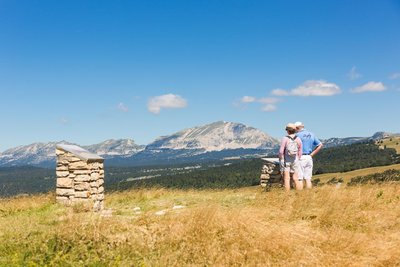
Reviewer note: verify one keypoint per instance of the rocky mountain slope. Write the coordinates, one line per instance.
(216, 136)
(43, 154)
(332, 142)
(111, 148)
(214, 141)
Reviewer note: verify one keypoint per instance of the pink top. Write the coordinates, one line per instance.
(285, 139)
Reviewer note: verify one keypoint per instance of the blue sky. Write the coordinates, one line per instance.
(86, 71)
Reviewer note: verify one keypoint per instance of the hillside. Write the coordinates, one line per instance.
(216, 136)
(204, 174)
(350, 226)
(390, 142)
(353, 157)
(347, 176)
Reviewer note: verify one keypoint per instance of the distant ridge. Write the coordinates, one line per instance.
(215, 141)
(216, 136)
(43, 154)
(111, 147)
(332, 142)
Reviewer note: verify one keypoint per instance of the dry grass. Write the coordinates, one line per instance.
(391, 142)
(346, 176)
(327, 226)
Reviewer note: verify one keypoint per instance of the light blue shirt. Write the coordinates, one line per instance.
(310, 142)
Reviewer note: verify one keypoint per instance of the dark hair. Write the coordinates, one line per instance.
(290, 131)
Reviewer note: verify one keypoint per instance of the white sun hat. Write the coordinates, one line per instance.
(298, 123)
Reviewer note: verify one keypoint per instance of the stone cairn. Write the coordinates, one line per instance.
(270, 173)
(80, 177)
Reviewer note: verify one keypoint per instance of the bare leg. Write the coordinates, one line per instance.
(286, 178)
(298, 183)
(299, 174)
(308, 184)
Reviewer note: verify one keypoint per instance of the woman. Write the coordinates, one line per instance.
(289, 154)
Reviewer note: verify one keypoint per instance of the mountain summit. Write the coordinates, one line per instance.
(111, 147)
(216, 136)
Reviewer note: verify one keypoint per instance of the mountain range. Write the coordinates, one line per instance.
(43, 154)
(215, 141)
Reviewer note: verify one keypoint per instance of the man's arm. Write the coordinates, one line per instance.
(316, 150)
(299, 148)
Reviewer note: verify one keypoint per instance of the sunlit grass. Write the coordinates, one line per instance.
(391, 142)
(346, 176)
(346, 226)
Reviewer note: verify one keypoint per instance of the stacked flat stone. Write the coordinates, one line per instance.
(270, 173)
(80, 177)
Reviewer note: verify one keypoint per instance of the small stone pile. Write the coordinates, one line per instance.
(80, 177)
(270, 173)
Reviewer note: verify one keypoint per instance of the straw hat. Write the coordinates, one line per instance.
(290, 126)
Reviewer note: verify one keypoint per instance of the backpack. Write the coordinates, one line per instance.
(291, 147)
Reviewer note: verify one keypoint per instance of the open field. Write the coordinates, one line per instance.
(346, 176)
(391, 142)
(325, 226)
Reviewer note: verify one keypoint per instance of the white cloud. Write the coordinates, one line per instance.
(280, 92)
(316, 88)
(268, 100)
(310, 88)
(268, 108)
(247, 99)
(64, 120)
(168, 101)
(394, 76)
(369, 87)
(353, 74)
(122, 107)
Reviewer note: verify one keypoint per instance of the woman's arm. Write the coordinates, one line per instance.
(282, 148)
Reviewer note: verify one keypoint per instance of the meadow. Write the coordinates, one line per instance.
(330, 225)
(390, 142)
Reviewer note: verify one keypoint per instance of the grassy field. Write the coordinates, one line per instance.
(391, 142)
(346, 176)
(325, 226)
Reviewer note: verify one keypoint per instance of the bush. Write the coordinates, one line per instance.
(386, 176)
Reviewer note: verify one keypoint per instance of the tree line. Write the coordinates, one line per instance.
(353, 157)
(245, 172)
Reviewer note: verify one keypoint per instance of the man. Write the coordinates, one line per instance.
(311, 146)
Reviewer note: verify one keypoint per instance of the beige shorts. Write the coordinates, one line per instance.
(291, 166)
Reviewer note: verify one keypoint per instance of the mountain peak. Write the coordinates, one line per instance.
(113, 147)
(381, 135)
(216, 136)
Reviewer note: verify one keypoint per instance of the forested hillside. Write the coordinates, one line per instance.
(242, 173)
(247, 172)
(26, 180)
(218, 174)
(353, 157)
